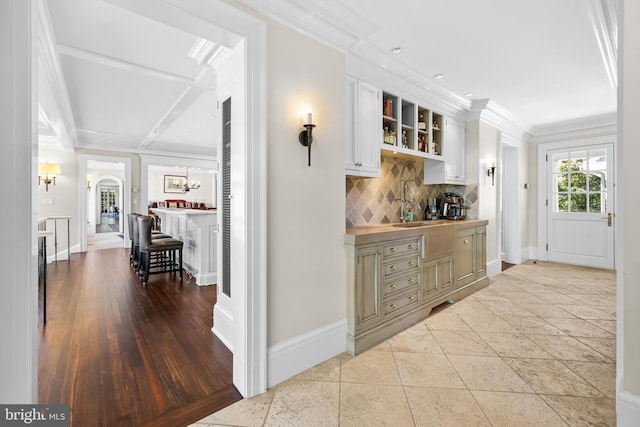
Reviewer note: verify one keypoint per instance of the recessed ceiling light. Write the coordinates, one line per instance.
(211, 116)
(438, 76)
(469, 94)
(396, 49)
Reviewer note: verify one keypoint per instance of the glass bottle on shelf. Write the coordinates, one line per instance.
(405, 142)
(386, 135)
(393, 139)
(422, 125)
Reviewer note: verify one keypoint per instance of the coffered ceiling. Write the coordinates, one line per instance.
(117, 80)
(112, 79)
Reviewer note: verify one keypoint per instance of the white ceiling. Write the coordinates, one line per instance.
(126, 82)
(117, 80)
(539, 62)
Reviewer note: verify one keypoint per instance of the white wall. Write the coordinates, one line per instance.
(204, 194)
(628, 230)
(64, 196)
(483, 142)
(18, 170)
(306, 207)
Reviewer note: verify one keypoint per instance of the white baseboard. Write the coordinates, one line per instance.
(532, 253)
(494, 268)
(295, 355)
(63, 255)
(628, 409)
(223, 325)
(524, 254)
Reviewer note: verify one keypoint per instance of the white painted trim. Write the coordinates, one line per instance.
(62, 255)
(542, 183)
(18, 167)
(82, 192)
(229, 25)
(603, 16)
(525, 254)
(63, 124)
(494, 268)
(297, 354)
(585, 127)
(223, 326)
(627, 409)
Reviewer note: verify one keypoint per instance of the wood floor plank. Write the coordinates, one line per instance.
(125, 355)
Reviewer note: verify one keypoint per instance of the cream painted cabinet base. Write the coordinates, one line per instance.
(393, 284)
(198, 231)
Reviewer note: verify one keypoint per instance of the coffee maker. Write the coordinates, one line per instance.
(453, 207)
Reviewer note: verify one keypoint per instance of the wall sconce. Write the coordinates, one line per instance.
(47, 169)
(492, 172)
(305, 137)
(88, 182)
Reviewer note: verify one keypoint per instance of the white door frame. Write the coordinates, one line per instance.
(93, 198)
(228, 26)
(510, 201)
(543, 185)
(82, 193)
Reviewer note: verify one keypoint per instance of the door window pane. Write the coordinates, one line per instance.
(579, 181)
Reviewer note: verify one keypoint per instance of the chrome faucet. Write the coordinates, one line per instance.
(403, 189)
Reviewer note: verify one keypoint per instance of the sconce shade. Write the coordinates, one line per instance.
(52, 169)
(49, 170)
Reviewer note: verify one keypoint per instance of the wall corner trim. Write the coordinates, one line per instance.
(297, 354)
(627, 409)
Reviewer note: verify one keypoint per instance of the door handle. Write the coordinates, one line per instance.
(608, 218)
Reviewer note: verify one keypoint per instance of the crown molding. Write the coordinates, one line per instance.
(605, 124)
(604, 21)
(328, 21)
(59, 112)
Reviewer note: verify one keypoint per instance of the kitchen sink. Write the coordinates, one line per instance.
(413, 224)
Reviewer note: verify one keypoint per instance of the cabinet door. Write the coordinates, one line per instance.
(465, 262)
(481, 252)
(437, 277)
(362, 128)
(455, 151)
(350, 123)
(368, 299)
(368, 133)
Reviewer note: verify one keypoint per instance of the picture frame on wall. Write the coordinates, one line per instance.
(187, 205)
(174, 183)
(162, 204)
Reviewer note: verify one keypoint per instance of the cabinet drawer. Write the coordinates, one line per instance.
(401, 248)
(403, 265)
(401, 283)
(398, 304)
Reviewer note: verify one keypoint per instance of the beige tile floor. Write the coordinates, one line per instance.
(534, 348)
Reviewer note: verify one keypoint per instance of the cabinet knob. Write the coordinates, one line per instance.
(411, 263)
(411, 247)
(392, 268)
(393, 286)
(392, 307)
(412, 280)
(412, 298)
(466, 241)
(392, 249)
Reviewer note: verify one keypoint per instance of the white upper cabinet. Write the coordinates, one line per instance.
(453, 169)
(362, 145)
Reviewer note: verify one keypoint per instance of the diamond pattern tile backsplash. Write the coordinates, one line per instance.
(376, 200)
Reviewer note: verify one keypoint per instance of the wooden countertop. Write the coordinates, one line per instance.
(363, 234)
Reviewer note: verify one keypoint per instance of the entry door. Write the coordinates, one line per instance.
(580, 205)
